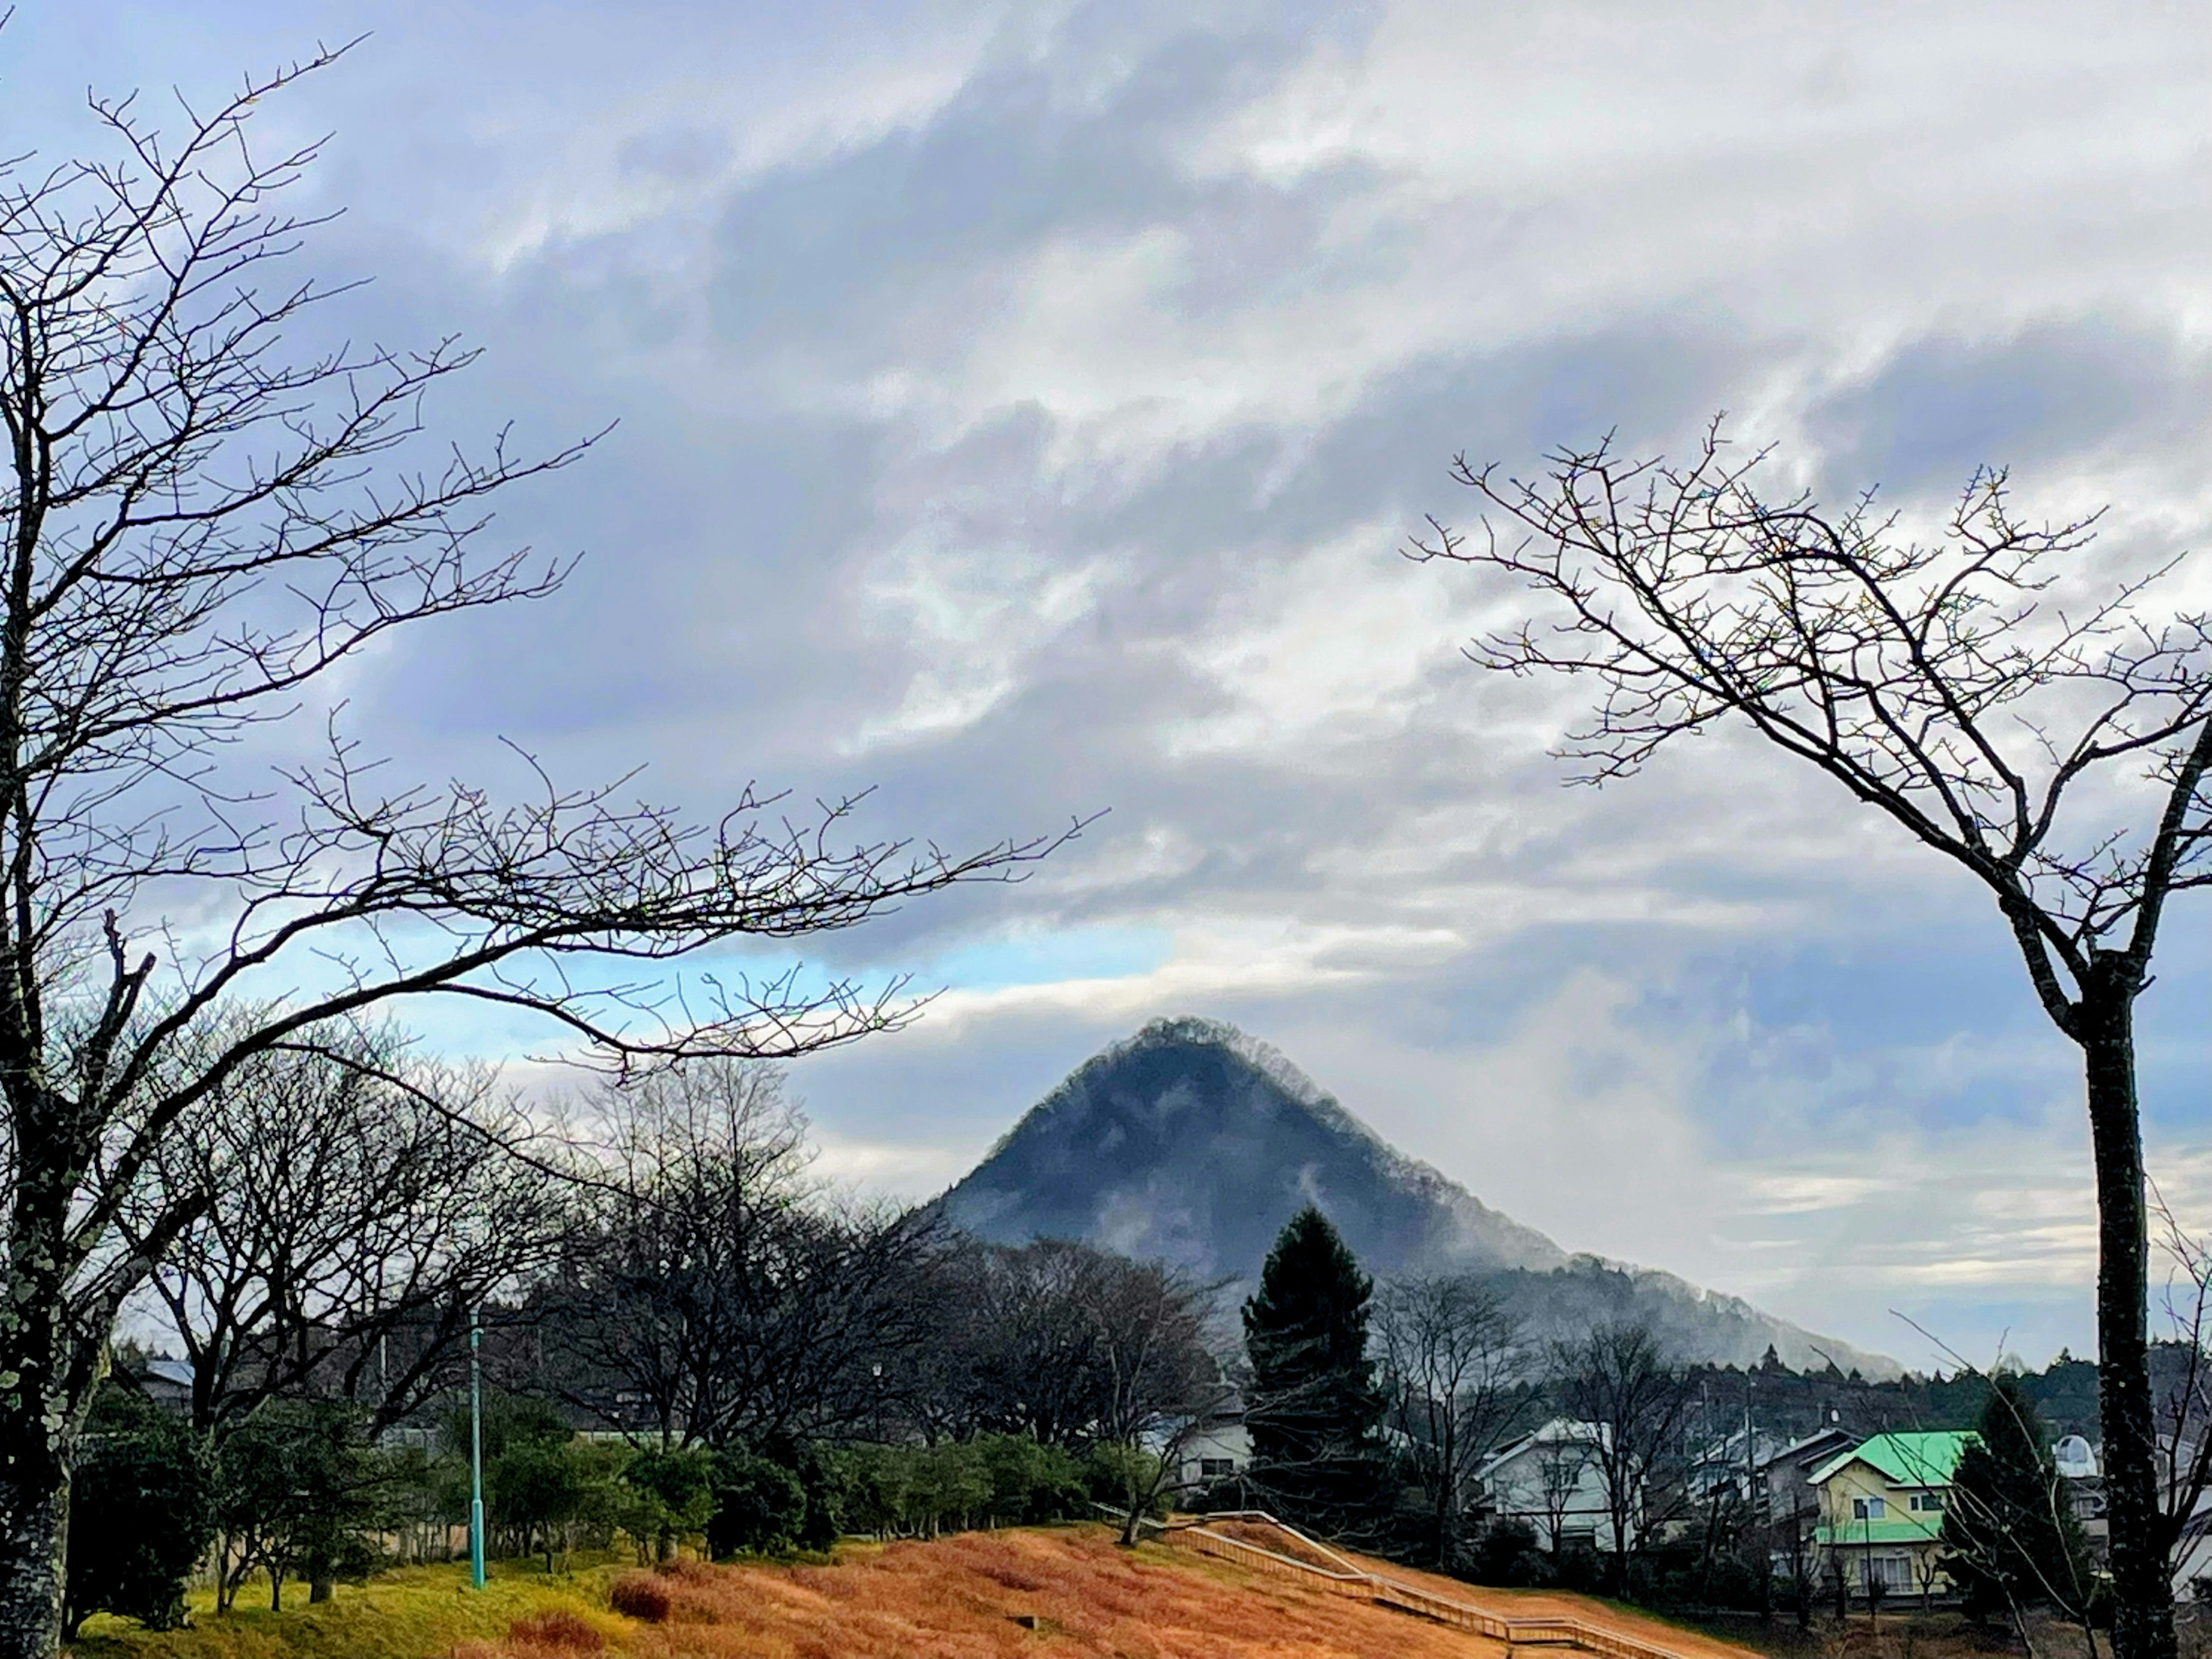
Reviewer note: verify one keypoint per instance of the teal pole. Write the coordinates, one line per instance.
(476, 1451)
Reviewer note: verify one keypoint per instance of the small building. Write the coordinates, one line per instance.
(164, 1381)
(1785, 1493)
(1214, 1446)
(1881, 1510)
(1553, 1479)
(1220, 1449)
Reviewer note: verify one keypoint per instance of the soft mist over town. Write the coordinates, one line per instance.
(1095, 828)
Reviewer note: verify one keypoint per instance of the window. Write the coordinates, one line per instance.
(1212, 1469)
(1927, 1503)
(1867, 1508)
(1892, 1569)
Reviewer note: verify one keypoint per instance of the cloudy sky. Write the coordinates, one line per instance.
(1020, 409)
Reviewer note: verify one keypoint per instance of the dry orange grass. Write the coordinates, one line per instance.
(962, 1597)
(1543, 1604)
(1045, 1592)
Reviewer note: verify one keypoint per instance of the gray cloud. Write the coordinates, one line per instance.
(1020, 411)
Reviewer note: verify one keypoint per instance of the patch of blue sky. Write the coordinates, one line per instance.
(1052, 957)
(635, 994)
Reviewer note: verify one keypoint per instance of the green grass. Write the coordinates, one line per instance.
(411, 1612)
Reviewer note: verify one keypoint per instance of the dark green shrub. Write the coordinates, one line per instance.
(671, 1495)
(1506, 1555)
(760, 1505)
(142, 1513)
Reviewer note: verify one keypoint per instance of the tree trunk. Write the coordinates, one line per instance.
(321, 1587)
(2142, 1593)
(33, 1511)
(36, 1423)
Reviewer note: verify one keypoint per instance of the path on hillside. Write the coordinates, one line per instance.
(1521, 1619)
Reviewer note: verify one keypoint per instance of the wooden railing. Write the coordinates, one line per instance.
(1346, 1577)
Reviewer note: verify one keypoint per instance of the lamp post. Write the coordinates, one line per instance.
(476, 1450)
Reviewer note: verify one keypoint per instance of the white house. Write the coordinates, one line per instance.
(1552, 1479)
(1217, 1449)
(1214, 1446)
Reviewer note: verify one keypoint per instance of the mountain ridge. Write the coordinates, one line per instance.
(1193, 1141)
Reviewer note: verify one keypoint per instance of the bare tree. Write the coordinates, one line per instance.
(199, 523)
(2059, 755)
(1454, 1371)
(723, 1291)
(2181, 1375)
(343, 1228)
(1634, 1398)
(1563, 1458)
(1066, 1343)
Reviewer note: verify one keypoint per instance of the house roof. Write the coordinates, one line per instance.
(1909, 1460)
(1815, 1446)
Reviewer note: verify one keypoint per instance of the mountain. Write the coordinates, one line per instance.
(1193, 1142)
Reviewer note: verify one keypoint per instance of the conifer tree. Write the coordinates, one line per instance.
(2011, 1540)
(1316, 1407)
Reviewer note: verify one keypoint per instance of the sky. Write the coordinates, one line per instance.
(1020, 411)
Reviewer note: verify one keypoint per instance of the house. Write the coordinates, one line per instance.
(1220, 1449)
(165, 1382)
(1729, 1465)
(1553, 1479)
(1881, 1510)
(1785, 1479)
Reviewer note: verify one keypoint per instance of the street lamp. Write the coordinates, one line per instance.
(475, 1449)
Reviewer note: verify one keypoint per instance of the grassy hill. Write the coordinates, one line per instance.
(1027, 1591)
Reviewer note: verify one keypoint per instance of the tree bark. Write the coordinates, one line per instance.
(33, 1511)
(37, 1420)
(2142, 1593)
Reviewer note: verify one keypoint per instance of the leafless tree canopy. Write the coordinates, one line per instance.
(1635, 1398)
(200, 517)
(721, 1295)
(343, 1225)
(1935, 680)
(1455, 1371)
(2056, 747)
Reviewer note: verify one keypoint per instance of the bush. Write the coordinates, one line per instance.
(760, 1506)
(1505, 1554)
(640, 1596)
(1030, 1481)
(559, 1632)
(1122, 1476)
(142, 1513)
(670, 1496)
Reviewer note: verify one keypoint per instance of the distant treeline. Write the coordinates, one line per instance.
(1792, 1404)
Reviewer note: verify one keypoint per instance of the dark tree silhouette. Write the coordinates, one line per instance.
(2010, 1538)
(1455, 1367)
(1314, 1406)
(346, 1226)
(2059, 755)
(1634, 1398)
(199, 523)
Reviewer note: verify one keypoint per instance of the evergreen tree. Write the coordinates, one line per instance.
(2009, 1534)
(1314, 1407)
(142, 1513)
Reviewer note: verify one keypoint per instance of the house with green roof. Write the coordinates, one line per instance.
(1881, 1510)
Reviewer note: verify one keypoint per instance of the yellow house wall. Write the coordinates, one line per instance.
(1862, 1480)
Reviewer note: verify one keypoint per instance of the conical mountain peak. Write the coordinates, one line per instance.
(1191, 1141)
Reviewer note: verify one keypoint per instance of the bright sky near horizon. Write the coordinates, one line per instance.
(1019, 410)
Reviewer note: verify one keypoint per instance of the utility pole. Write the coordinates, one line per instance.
(475, 1449)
